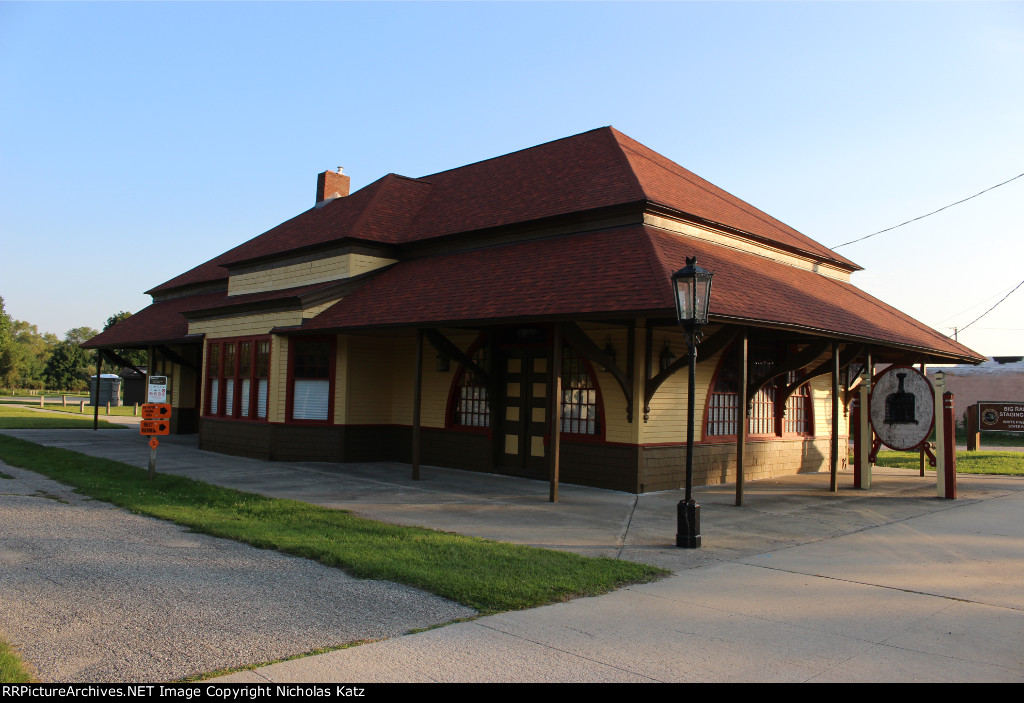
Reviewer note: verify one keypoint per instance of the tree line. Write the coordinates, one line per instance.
(37, 361)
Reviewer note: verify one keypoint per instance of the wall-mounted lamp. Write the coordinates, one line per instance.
(609, 351)
(441, 363)
(667, 357)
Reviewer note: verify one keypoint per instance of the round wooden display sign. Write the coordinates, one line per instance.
(902, 407)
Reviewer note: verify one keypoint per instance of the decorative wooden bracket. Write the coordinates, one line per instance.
(846, 357)
(582, 343)
(116, 358)
(714, 344)
(176, 358)
(447, 348)
(797, 361)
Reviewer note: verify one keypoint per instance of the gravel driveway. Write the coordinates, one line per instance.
(92, 593)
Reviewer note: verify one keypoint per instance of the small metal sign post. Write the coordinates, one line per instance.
(156, 421)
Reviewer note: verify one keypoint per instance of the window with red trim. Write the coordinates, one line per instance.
(233, 369)
(311, 379)
(472, 406)
(580, 407)
(723, 411)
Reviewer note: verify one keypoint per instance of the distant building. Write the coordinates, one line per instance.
(301, 344)
(1000, 378)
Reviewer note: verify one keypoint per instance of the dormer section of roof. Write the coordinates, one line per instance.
(303, 269)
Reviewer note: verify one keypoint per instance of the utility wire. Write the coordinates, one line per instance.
(971, 307)
(854, 241)
(991, 308)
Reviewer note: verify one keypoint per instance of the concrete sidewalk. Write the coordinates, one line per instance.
(801, 584)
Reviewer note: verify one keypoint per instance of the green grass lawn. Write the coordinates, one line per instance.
(12, 670)
(21, 418)
(981, 462)
(482, 574)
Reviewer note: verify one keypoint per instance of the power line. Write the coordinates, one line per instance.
(887, 229)
(971, 307)
(991, 308)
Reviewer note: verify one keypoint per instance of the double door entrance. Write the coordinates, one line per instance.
(521, 435)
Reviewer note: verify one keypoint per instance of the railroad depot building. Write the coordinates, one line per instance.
(515, 315)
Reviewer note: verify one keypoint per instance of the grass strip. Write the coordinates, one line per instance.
(16, 418)
(981, 462)
(12, 670)
(485, 575)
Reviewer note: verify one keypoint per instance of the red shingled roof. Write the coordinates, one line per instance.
(157, 324)
(166, 321)
(595, 169)
(621, 271)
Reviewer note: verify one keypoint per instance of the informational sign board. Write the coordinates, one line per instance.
(902, 407)
(1001, 417)
(154, 427)
(156, 411)
(157, 389)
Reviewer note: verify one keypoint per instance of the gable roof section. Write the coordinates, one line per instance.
(379, 212)
(588, 171)
(618, 272)
(167, 321)
(160, 323)
(667, 183)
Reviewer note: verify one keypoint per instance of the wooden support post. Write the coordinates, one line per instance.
(973, 436)
(136, 411)
(865, 432)
(416, 402)
(742, 421)
(855, 430)
(96, 400)
(81, 407)
(949, 444)
(940, 430)
(922, 452)
(42, 401)
(834, 461)
(108, 407)
(555, 430)
(64, 401)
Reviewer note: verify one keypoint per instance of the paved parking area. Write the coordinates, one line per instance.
(801, 584)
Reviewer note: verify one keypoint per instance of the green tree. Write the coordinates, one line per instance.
(32, 352)
(69, 365)
(138, 357)
(8, 352)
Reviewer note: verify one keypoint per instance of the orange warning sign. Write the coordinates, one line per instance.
(151, 427)
(156, 411)
(153, 443)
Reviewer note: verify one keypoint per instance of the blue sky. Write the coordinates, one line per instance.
(140, 139)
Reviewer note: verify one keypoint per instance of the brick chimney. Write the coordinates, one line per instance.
(331, 185)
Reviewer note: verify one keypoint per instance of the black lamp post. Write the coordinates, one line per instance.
(691, 286)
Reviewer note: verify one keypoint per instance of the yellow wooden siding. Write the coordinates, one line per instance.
(341, 381)
(734, 242)
(244, 326)
(821, 394)
(277, 393)
(303, 273)
(370, 365)
(616, 428)
(667, 422)
(403, 375)
(317, 309)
